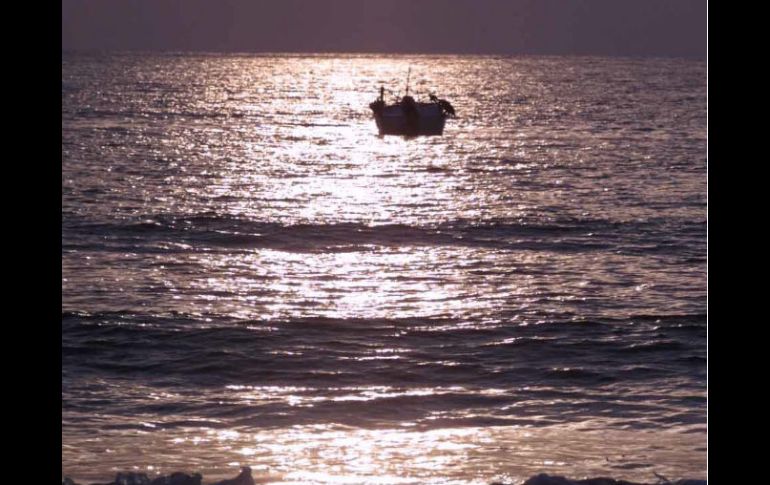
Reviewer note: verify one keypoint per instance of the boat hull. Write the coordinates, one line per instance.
(425, 120)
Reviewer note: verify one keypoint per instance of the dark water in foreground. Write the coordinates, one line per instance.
(251, 276)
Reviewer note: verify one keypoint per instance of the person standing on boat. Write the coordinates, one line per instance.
(382, 93)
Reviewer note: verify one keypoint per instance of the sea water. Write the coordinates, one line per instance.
(252, 276)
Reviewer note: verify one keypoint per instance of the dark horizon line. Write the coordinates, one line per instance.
(381, 53)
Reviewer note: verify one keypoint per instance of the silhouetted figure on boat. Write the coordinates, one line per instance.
(379, 104)
(446, 106)
(409, 107)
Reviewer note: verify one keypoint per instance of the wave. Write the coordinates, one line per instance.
(213, 230)
(684, 322)
(91, 113)
(211, 350)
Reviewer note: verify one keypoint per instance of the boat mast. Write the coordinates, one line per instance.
(409, 73)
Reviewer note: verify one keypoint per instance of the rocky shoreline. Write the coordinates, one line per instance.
(245, 478)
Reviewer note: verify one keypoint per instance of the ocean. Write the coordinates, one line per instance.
(252, 276)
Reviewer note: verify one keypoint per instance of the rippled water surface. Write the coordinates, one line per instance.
(251, 276)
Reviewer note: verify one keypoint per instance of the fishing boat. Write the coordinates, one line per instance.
(409, 117)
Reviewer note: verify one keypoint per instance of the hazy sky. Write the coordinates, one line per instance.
(601, 27)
